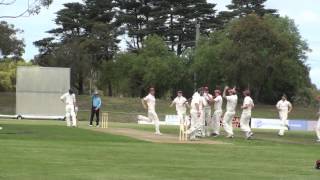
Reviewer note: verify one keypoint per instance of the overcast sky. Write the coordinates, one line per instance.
(305, 13)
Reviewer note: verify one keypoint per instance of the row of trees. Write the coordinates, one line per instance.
(248, 46)
(265, 55)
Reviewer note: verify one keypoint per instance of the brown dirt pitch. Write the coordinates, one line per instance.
(151, 137)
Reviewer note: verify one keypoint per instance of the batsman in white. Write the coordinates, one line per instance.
(207, 111)
(216, 118)
(318, 125)
(69, 99)
(181, 107)
(246, 114)
(195, 113)
(149, 103)
(284, 108)
(232, 100)
(202, 103)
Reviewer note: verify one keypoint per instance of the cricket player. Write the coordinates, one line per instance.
(218, 101)
(149, 103)
(195, 113)
(246, 114)
(202, 104)
(207, 98)
(318, 125)
(232, 100)
(69, 99)
(95, 108)
(284, 108)
(181, 107)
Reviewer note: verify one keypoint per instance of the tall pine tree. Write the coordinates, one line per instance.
(173, 20)
(240, 8)
(86, 37)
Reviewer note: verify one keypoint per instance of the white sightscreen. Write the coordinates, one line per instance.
(38, 90)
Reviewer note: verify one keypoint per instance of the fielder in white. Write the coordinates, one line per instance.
(284, 108)
(181, 107)
(202, 103)
(69, 99)
(232, 100)
(216, 118)
(318, 125)
(246, 114)
(149, 103)
(207, 111)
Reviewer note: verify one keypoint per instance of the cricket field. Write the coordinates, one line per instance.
(45, 150)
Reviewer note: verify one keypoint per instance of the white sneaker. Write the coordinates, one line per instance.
(249, 135)
(158, 133)
(230, 136)
(318, 140)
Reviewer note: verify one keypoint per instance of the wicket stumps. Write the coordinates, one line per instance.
(183, 136)
(104, 120)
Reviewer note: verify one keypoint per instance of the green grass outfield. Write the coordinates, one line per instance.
(45, 150)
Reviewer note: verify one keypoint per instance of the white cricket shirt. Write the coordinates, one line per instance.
(218, 101)
(180, 103)
(207, 98)
(69, 99)
(231, 103)
(249, 103)
(283, 106)
(151, 102)
(195, 100)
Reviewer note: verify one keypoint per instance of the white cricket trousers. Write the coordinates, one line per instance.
(283, 115)
(195, 124)
(70, 113)
(227, 122)
(216, 118)
(182, 116)
(318, 129)
(245, 122)
(152, 115)
(207, 122)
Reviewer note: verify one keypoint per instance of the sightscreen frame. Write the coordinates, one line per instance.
(38, 91)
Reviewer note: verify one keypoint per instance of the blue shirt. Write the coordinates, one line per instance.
(96, 102)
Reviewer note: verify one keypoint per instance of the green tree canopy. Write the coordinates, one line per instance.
(174, 20)
(10, 44)
(86, 36)
(154, 65)
(8, 70)
(240, 8)
(266, 55)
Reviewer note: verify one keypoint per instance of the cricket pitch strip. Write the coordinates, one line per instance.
(151, 137)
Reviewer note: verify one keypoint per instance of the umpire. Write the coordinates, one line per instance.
(95, 108)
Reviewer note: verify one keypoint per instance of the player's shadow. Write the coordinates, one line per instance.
(16, 133)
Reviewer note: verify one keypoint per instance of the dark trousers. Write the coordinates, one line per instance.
(94, 112)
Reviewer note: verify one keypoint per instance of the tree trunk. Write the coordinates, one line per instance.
(171, 34)
(80, 84)
(110, 89)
